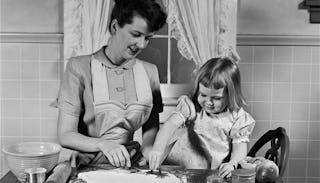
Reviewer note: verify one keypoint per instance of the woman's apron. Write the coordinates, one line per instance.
(114, 120)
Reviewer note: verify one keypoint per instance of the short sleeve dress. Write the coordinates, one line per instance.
(215, 135)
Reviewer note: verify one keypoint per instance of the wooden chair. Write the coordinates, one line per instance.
(279, 150)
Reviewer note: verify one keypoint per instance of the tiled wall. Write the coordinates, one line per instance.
(30, 78)
(282, 84)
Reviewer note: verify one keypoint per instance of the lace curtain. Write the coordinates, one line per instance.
(203, 28)
(85, 26)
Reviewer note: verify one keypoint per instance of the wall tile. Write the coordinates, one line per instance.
(262, 73)
(296, 180)
(246, 72)
(297, 168)
(262, 92)
(11, 127)
(51, 52)
(301, 73)
(29, 51)
(260, 128)
(10, 70)
(31, 127)
(30, 108)
(281, 92)
(302, 54)
(314, 112)
(315, 73)
(49, 89)
(30, 89)
(47, 111)
(49, 127)
(315, 55)
(300, 92)
(314, 129)
(10, 89)
(245, 53)
(49, 71)
(31, 139)
(247, 89)
(261, 110)
(300, 111)
(282, 73)
(298, 149)
(313, 168)
(6, 141)
(263, 54)
(10, 51)
(315, 93)
(283, 54)
(314, 149)
(313, 179)
(11, 108)
(298, 130)
(30, 71)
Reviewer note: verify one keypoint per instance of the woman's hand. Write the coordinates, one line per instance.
(116, 153)
(225, 170)
(155, 157)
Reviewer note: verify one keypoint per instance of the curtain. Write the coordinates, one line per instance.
(203, 28)
(85, 26)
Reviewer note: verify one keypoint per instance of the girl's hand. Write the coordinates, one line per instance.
(155, 157)
(116, 153)
(225, 170)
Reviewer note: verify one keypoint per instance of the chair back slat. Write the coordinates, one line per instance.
(279, 150)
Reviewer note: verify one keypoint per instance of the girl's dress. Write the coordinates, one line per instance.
(215, 134)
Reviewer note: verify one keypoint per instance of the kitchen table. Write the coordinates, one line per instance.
(192, 175)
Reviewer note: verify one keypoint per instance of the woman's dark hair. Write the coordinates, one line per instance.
(124, 11)
(219, 73)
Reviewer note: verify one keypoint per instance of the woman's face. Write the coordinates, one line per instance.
(212, 101)
(131, 38)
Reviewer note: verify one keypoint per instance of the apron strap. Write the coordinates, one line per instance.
(99, 81)
(142, 83)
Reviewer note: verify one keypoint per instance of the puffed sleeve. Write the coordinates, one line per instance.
(71, 90)
(242, 127)
(185, 110)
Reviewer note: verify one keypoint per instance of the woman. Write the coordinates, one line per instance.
(105, 97)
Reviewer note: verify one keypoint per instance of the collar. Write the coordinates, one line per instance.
(101, 57)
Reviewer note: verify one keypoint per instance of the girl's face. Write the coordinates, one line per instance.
(213, 101)
(131, 38)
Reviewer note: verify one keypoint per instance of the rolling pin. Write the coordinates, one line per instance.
(60, 173)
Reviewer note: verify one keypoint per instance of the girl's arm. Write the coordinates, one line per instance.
(161, 147)
(238, 153)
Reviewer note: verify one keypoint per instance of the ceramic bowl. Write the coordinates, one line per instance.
(25, 155)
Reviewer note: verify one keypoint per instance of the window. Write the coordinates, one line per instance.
(163, 52)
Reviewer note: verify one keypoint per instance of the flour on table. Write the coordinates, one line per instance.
(124, 176)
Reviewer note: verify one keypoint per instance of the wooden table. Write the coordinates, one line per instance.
(192, 175)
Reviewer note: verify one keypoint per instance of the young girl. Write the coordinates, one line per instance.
(211, 130)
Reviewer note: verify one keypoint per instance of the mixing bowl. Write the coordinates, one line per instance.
(25, 155)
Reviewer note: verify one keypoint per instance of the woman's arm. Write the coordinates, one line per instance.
(69, 137)
(238, 153)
